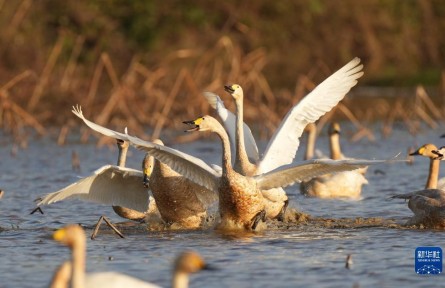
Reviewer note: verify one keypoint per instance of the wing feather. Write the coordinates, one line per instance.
(111, 185)
(284, 144)
(229, 121)
(290, 174)
(189, 166)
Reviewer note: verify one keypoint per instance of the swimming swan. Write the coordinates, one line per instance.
(73, 236)
(346, 184)
(284, 144)
(428, 205)
(179, 200)
(240, 200)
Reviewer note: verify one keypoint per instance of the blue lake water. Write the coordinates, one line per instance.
(295, 256)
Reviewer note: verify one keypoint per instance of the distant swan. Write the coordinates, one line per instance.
(240, 200)
(346, 184)
(284, 143)
(428, 205)
(73, 236)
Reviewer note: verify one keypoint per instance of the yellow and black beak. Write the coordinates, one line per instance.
(229, 88)
(146, 179)
(418, 151)
(194, 123)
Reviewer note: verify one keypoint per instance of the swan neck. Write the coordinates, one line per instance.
(433, 176)
(180, 280)
(335, 146)
(78, 262)
(226, 155)
(242, 163)
(310, 148)
(62, 276)
(123, 149)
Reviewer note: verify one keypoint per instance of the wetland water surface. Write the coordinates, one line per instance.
(295, 256)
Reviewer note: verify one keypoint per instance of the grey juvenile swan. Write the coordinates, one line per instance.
(428, 205)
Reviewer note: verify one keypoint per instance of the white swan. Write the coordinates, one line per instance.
(73, 236)
(111, 185)
(180, 201)
(314, 105)
(428, 205)
(240, 200)
(284, 144)
(346, 184)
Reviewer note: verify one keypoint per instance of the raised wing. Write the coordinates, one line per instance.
(96, 127)
(229, 122)
(111, 185)
(284, 144)
(290, 174)
(188, 166)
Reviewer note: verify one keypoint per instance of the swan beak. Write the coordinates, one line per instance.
(59, 234)
(209, 267)
(146, 178)
(194, 123)
(191, 123)
(229, 89)
(418, 151)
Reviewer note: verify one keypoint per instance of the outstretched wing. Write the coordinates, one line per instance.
(111, 185)
(284, 144)
(189, 166)
(290, 174)
(229, 121)
(96, 127)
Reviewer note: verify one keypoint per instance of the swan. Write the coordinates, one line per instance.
(346, 184)
(113, 185)
(240, 200)
(179, 200)
(428, 205)
(73, 236)
(283, 145)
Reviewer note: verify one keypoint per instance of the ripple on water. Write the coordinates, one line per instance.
(307, 254)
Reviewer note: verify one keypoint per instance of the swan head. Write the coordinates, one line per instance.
(148, 164)
(70, 235)
(334, 128)
(204, 123)
(190, 262)
(235, 90)
(426, 150)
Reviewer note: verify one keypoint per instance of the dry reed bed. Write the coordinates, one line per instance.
(149, 99)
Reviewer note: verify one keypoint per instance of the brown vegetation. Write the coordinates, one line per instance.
(53, 57)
